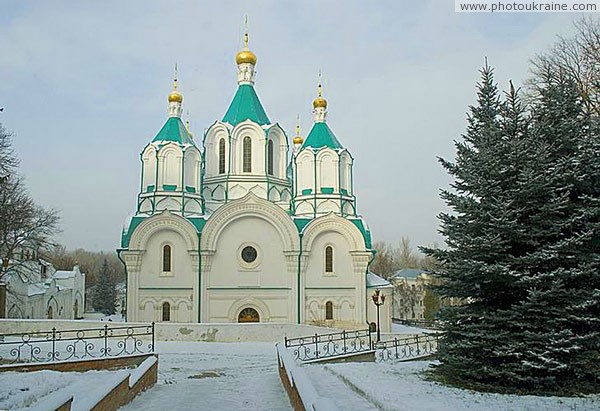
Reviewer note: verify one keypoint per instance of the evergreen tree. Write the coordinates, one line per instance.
(523, 244)
(106, 292)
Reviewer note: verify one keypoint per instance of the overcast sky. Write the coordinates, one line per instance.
(84, 86)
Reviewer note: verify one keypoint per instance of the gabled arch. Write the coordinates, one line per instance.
(213, 135)
(162, 221)
(257, 138)
(335, 223)
(250, 205)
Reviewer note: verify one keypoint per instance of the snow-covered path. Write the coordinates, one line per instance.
(215, 376)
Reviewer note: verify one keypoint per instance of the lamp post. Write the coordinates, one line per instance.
(378, 300)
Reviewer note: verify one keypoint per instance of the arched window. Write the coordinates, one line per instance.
(270, 158)
(50, 313)
(166, 312)
(247, 155)
(328, 259)
(248, 315)
(329, 310)
(222, 156)
(167, 258)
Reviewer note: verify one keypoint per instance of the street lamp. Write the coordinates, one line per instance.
(5, 262)
(378, 300)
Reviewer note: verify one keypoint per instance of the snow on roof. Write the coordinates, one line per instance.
(63, 274)
(36, 289)
(375, 281)
(408, 273)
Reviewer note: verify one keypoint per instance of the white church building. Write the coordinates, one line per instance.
(246, 227)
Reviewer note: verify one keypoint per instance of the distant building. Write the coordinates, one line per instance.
(35, 289)
(409, 293)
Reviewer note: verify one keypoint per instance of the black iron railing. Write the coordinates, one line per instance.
(321, 346)
(69, 345)
(408, 347)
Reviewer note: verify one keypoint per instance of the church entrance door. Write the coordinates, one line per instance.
(248, 315)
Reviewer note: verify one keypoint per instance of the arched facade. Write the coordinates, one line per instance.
(246, 230)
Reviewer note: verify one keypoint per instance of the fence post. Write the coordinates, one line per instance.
(396, 346)
(54, 343)
(371, 339)
(317, 345)
(344, 339)
(285, 341)
(417, 340)
(105, 340)
(153, 350)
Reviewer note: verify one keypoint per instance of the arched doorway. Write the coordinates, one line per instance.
(248, 315)
(50, 313)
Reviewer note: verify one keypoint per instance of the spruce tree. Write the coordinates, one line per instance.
(106, 292)
(522, 245)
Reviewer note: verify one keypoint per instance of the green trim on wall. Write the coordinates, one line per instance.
(150, 188)
(169, 187)
(190, 189)
(135, 221)
(327, 190)
(306, 191)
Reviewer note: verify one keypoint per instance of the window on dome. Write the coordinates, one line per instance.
(167, 258)
(222, 156)
(247, 155)
(270, 158)
(166, 312)
(329, 310)
(329, 259)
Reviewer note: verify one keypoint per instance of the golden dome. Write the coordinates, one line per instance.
(298, 140)
(245, 56)
(320, 102)
(175, 96)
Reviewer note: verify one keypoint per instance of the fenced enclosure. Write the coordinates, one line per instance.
(319, 347)
(405, 348)
(322, 346)
(71, 345)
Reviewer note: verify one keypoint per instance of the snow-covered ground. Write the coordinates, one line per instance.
(35, 389)
(214, 376)
(399, 386)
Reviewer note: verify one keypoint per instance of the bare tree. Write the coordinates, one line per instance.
(579, 58)
(23, 224)
(8, 161)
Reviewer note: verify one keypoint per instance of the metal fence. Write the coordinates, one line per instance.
(70, 345)
(325, 346)
(321, 346)
(407, 347)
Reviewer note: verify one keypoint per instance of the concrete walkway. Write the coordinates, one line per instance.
(215, 376)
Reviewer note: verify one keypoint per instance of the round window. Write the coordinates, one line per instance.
(249, 254)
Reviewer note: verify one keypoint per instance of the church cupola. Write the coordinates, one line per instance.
(320, 104)
(322, 169)
(171, 166)
(246, 61)
(175, 98)
(245, 152)
(298, 140)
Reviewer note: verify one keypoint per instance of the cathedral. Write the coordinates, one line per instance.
(246, 227)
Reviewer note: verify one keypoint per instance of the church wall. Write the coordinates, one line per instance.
(273, 305)
(151, 274)
(343, 271)
(268, 270)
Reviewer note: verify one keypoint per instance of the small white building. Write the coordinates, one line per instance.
(34, 289)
